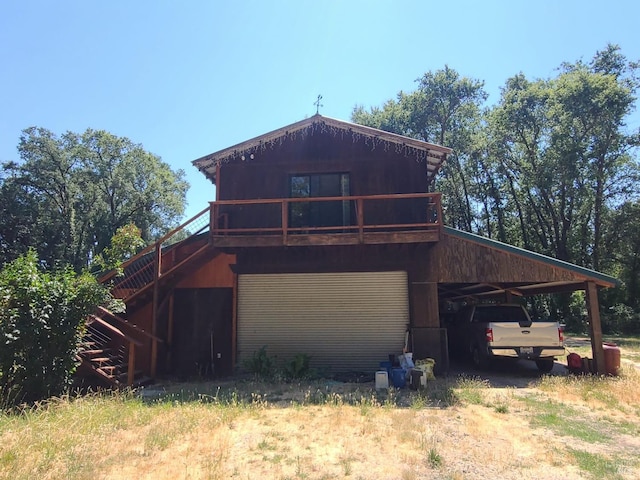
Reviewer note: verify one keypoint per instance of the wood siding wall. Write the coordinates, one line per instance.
(215, 273)
(370, 173)
(454, 260)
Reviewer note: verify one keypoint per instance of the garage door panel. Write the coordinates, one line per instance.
(344, 321)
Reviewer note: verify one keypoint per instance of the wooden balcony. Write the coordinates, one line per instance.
(353, 220)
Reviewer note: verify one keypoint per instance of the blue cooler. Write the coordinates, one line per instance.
(398, 377)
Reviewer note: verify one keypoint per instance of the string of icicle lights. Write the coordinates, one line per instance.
(321, 127)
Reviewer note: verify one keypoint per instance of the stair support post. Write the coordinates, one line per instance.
(131, 369)
(154, 320)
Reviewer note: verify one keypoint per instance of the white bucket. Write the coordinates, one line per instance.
(382, 380)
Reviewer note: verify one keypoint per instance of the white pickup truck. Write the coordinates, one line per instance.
(503, 330)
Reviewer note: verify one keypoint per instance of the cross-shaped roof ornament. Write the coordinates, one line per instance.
(318, 104)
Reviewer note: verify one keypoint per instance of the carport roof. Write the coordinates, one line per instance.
(579, 275)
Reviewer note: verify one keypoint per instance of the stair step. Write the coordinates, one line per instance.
(103, 360)
(111, 369)
(104, 357)
(97, 351)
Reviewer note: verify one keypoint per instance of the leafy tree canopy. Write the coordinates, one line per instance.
(69, 194)
(551, 167)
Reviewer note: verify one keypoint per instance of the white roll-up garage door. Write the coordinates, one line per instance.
(344, 321)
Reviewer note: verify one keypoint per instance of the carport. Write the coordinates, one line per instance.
(464, 266)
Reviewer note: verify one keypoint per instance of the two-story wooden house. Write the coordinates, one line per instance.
(325, 238)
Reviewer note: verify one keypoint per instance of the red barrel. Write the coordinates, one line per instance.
(574, 363)
(611, 359)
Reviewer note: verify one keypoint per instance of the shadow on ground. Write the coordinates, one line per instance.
(505, 373)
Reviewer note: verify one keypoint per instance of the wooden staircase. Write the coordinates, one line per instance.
(109, 354)
(111, 344)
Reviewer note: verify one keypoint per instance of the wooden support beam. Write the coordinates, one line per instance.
(170, 331)
(595, 327)
(213, 221)
(234, 320)
(217, 181)
(424, 305)
(131, 369)
(360, 212)
(155, 309)
(284, 206)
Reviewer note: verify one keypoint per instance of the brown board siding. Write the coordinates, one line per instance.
(456, 260)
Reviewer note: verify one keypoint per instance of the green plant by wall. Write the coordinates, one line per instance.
(42, 320)
(298, 367)
(261, 363)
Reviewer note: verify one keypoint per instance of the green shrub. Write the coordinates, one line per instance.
(42, 320)
(261, 363)
(298, 367)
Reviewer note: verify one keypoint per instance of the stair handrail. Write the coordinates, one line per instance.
(116, 330)
(149, 248)
(128, 324)
(133, 343)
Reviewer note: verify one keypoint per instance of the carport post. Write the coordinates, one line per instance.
(595, 327)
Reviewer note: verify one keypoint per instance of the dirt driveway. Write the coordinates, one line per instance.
(507, 373)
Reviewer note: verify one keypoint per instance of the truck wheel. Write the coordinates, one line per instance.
(545, 365)
(479, 360)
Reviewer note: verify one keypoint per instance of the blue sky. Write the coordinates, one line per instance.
(188, 78)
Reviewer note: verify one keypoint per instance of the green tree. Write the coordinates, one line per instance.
(19, 211)
(131, 185)
(74, 191)
(622, 242)
(445, 109)
(125, 243)
(42, 318)
(565, 154)
(552, 167)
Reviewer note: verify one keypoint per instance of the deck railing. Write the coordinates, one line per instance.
(155, 260)
(412, 212)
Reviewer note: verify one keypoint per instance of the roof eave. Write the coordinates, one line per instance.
(208, 163)
(587, 274)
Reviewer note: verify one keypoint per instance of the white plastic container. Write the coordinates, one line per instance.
(382, 380)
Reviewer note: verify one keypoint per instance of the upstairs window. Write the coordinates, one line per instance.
(319, 214)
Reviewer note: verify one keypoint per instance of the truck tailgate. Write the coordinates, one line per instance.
(511, 334)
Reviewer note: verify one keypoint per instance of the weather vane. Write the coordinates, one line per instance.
(318, 104)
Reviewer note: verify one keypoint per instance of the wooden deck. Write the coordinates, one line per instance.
(370, 219)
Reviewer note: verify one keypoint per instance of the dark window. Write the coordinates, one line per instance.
(499, 313)
(319, 214)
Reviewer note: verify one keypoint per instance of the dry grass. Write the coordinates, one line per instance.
(621, 392)
(557, 427)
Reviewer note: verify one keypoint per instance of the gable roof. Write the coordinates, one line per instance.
(433, 155)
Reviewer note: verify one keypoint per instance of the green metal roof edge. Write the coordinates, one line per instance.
(587, 272)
